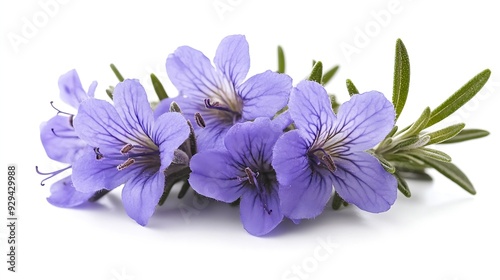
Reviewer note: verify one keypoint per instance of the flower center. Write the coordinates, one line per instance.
(322, 159)
(130, 154)
(261, 183)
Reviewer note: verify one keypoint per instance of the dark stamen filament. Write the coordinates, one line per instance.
(63, 136)
(217, 106)
(52, 174)
(59, 111)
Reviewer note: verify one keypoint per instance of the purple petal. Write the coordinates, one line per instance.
(211, 137)
(362, 181)
(99, 124)
(304, 190)
(255, 217)
(63, 194)
(90, 174)
(252, 143)
(311, 110)
(132, 105)
(283, 120)
(71, 90)
(364, 121)
(170, 131)
(264, 94)
(60, 141)
(194, 76)
(232, 58)
(215, 175)
(141, 194)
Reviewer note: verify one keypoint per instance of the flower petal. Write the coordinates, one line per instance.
(264, 94)
(364, 121)
(254, 216)
(60, 141)
(141, 194)
(362, 181)
(311, 110)
(170, 131)
(194, 76)
(71, 90)
(133, 107)
(215, 175)
(90, 174)
(98, 124)
(251, 143)
(304, 190)
(63, 194)
(232, 58)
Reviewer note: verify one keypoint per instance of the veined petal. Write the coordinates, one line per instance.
(311, 111)
(232, 58)
(133, 107)
(194, 76)
(90, 174)
(264, 94)
(71, 90)
(63, 194)
(362, 181)
(170, 131)
(99, 124)
(252, 143)
(215, 175)
(141, 194)
(363, 121)
(211, 137)
(60, 141)
(255, 217)
(304, 190)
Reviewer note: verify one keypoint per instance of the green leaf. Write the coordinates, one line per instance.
(117, 73)
(431, 153)
(333, 101)
(401, 78)
(385, 163)
(406, 142)
(329, 74)
(415, 175)
(337, 201)
(351, 88)
(459, 98)
(422, 141)
(445, 133)
(159, 89)
(109, 92)
(420, 123)
(452, 172)
(467, 134)
(402, 185)
(281, 60)
(317, 72)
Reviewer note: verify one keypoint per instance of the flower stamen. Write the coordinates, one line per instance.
(126, 164)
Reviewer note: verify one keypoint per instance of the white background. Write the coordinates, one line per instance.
(441, 233)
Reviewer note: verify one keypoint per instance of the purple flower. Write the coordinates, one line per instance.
(61, 143)
(128, 147)
(328, 150)
(220, 94)
(242, 169)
